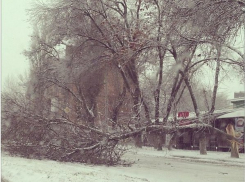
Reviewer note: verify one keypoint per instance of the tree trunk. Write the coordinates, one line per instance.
(193, 98)
(159, 142)
(234, 150)
(172, 141)
(117, 108)
(138, 141)
(174, 91)
(202, 139)
(216, 79)
(234, 145)
(147, 112)
(161, 55)
(203, 144)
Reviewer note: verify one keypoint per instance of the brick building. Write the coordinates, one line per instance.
(102, 87)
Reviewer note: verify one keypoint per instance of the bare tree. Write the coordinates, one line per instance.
(74, 44)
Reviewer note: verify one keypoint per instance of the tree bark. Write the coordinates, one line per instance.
(117, 108)
(159, 141)
(175, 89)
(234, 150)
(138, 140)
(172, 140)
(234, 145)
(158, 89)
(202, 140)
(216, 80)
(193, 98)
(203, 144)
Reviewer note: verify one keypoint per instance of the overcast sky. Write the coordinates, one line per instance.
(16, 33)
(15, 37)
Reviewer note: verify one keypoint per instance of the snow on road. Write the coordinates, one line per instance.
(222, 158)
(149, 166)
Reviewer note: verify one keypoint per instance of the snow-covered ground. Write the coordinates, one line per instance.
(222, 158)
(150, 165)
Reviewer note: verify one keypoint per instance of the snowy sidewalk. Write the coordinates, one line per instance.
(150, 166)
(222, 158)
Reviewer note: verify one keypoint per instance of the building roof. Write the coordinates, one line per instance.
(234, 114)
(237, 99)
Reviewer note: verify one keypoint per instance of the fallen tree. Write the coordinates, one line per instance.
(103, 34)
(34, 136)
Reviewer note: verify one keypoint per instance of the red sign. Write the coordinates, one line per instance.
(184, 114)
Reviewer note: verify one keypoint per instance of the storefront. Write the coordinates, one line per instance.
(235, 118)
(189, 139)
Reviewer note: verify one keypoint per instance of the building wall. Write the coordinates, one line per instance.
(111, 83)
(109, 95)
(239, 94)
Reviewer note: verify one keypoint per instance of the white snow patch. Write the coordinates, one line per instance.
(150, 166)
(194, 155)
